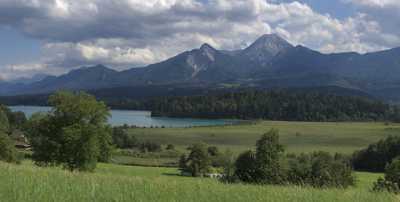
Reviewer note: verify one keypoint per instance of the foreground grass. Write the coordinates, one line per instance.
(296, 136)
(122, 183)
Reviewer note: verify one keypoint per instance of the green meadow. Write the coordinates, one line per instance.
(111, 182)
(295, 136)
(26, 182)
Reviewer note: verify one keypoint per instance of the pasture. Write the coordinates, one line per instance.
(26, 182)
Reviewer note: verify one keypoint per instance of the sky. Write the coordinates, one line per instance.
(56, 36)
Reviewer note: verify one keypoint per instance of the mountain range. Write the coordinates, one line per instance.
(270, 62)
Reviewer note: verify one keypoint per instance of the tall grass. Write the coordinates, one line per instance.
(123, 183)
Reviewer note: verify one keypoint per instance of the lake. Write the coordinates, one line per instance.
(138, 118)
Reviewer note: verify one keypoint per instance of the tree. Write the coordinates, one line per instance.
(391, 182)
(198, 161)
(246, 168)
(268, 158)
(15, 119)
(183, 163)
(74, 134)
(4, 124)
(8, 152)
(376, 156)
(122, 139)
(213, 151)
(320, 169)
(170, 147)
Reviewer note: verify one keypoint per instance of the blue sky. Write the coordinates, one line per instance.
(55, 36)
(17, 48)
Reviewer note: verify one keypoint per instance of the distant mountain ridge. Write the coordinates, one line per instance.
(270, 62)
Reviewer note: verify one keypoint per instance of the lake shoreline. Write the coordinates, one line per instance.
(140, 118)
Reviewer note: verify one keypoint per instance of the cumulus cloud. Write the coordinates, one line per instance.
(131, 33)
(15, 71)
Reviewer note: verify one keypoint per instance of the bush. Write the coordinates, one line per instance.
(150, 147)
(170, 147)
(198, 162)
(122, 139)
(213, 151)
(15, 119)
(391, 182)
(4, 124)
(320, 169)
(8, 153)
(266, 166)
(376, 156)
(246, 168)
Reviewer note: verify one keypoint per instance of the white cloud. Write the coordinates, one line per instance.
(14, 71)
(129, 33)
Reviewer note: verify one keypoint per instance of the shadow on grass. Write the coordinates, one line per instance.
(175, 175)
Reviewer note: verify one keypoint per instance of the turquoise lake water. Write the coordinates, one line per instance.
(138, 118)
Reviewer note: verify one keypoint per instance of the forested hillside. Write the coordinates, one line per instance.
(272, 105)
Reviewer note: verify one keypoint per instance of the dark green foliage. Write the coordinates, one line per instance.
(227, 162)
(213, 151)
(273, 105)
(268, 152)
(391, 182)
(15, 119)
(8, 152)
(75, 134)
(392, 171)
(183, 163)
(266, 166)
(122, 139)
(105, 144)
(246, 168)
(376, 156)
(198, 162)
(170, 147)
(150, 147)
(4, 124)
(320, 169)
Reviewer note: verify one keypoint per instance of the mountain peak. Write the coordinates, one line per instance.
(207, 47)
(272, 42)
(266, 47)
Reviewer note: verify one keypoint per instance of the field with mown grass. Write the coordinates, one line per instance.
(26, 182)
(297, 137)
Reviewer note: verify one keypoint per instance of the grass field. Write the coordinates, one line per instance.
(296, 136)
(21, 183)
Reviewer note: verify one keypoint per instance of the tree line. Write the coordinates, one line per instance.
(271, 105)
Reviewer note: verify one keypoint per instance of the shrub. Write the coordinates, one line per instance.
(198, 162)
(391, 182)
(122, 139)
(246, 168)
(14, 119)
(213, 151)
(4, 124)
(320, 169)
(170, 147)
(8, 152)
(376, 156)
(150, 147)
